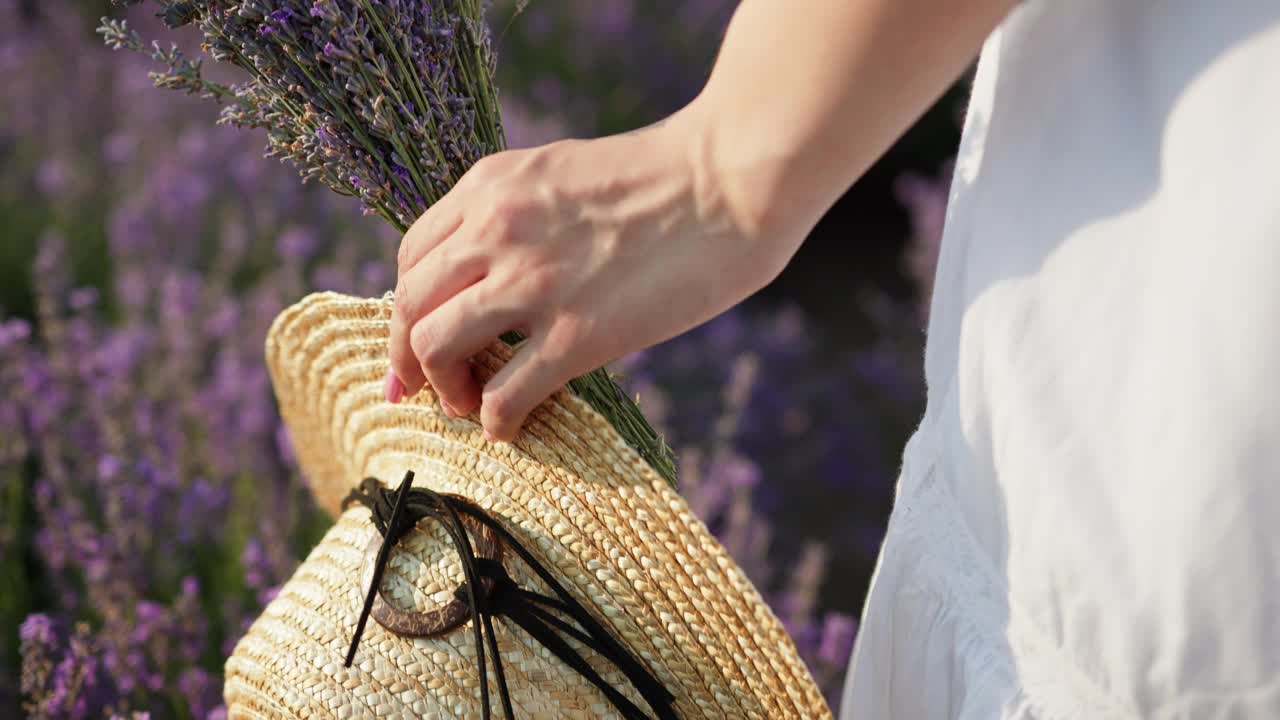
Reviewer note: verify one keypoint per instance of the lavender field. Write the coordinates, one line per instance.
(149, 501)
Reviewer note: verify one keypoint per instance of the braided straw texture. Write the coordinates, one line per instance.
(569, 488)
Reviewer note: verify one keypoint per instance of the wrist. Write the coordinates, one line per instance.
(753, 180)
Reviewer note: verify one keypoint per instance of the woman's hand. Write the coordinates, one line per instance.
(600, 247)
(591, 248)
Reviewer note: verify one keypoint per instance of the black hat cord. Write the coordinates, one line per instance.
(489, 590)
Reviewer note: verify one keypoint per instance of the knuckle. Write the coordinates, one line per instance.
(499, 409)
(403, 362)
(402, 255)
(507, 218)
(568, 332)
(561, 355)
(500, 225)
(509, 209)
(432, 351)
(398, 356)
(403, 304)
(553, 361)
(484, 168)
(476, 170)
(539, 284)
(483, 165)
(434, 357)
(419, 340)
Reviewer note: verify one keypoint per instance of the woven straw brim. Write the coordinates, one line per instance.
(570, 489)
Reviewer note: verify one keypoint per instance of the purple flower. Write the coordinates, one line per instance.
(838, 631)
(119, 148)
(14, 331)
(284, 446)
(108, 467)
(38, 630)
(611, 17)
(375, 278)
(254, 560)
(223, 321)
(297, 243)
(201, 691)
(737, 473)
(82, 298)
(53, 176)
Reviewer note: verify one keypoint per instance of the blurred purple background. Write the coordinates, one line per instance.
(149, 504)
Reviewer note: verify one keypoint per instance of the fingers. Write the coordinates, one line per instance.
(431, 229)
(404, 373)
(424, 287)
(444, 217)
(446, 338)
(529, 378)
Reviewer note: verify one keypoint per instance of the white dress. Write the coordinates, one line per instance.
(1087, 521)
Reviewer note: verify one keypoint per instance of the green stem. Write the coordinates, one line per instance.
(355, 127)
(410, 77)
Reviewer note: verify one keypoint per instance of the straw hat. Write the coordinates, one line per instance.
(567, 513)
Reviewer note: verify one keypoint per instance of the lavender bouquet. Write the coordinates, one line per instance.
(390, 101)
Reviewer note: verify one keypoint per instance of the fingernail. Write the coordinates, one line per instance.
(448, 409)
(394, 388)
(489, 436)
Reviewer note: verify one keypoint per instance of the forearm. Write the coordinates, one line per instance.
(807, 94)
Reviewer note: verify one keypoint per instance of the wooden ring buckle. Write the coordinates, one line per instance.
(455, 613)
